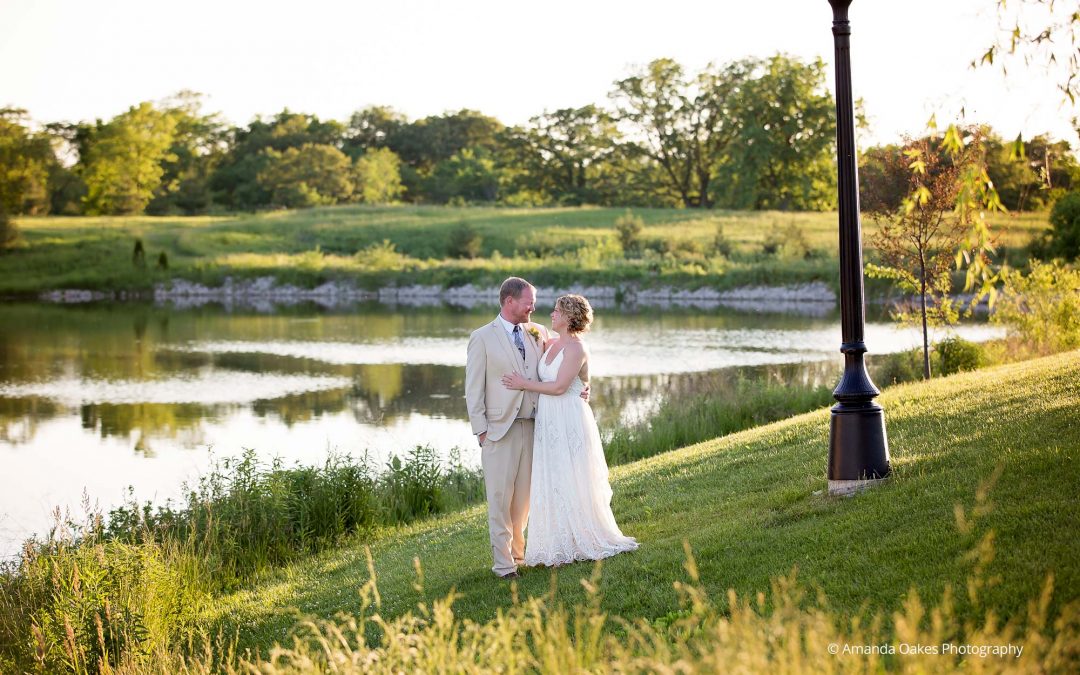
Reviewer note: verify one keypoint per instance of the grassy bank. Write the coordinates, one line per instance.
(376, 246)
(750, 507)
(136, 581)
(984, 476)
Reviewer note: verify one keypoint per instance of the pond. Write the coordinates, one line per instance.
(98, 397)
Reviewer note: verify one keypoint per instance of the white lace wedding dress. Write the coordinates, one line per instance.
(570, 504)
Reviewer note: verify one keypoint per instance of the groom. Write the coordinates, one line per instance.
(502, 419)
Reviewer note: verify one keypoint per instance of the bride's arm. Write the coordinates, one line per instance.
(573, 359)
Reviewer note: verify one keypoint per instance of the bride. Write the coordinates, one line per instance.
(570, 513)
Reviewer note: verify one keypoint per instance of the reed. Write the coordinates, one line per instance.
(685, 419)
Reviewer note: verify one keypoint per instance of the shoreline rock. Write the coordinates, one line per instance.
(264, 293)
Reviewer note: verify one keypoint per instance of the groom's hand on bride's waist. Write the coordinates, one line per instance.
(585, 394)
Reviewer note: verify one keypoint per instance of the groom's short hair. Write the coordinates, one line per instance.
(513, 287)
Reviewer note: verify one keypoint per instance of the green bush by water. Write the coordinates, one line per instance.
(245, 516)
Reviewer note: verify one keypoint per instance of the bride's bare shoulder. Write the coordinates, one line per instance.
(576, 348)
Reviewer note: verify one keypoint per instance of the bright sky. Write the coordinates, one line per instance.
(84, 59)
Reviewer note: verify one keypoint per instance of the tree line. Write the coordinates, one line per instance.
(750, 134)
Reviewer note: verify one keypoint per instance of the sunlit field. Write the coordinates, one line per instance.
(375, 246)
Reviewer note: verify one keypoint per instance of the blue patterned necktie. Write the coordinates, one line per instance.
(519, 342)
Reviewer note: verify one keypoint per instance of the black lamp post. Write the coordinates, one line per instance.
(858, 447)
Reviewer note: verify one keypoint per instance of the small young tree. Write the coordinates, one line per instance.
(918, 241)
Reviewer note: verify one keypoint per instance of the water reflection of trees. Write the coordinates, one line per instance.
(149, 421)
(304, 407)
(142, 342)
(19, 417)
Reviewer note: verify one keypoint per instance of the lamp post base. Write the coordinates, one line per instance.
(846, 488)
(858, 447)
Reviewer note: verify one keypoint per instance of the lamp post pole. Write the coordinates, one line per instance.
(858, 446)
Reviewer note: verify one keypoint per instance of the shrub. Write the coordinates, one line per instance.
(956, 354)
(1065, 227)
(629, 228)
(382, 257)
(1043, 307)
(897, 368)
(465, 242)
(787, 242)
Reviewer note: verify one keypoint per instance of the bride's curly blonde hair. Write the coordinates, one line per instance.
(578, 312)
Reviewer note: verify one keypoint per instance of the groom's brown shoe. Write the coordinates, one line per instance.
(510, 575)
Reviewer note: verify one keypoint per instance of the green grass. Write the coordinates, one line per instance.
(749, 506)
(308, 247)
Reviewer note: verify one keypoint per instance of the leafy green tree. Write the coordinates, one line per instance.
(1028, 173)
(199, 144)
(559, 154)
(310, 175)
(372, 128)
(428, 142)
(25, 162)
(784, 157)
(681, 123)
(623, 180)
(67, 189)
(378, 176)
(468, 176)
(235, 182)
(122, 166)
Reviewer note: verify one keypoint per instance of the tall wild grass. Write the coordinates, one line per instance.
(685, 419)
(134, 582)
(786, 630)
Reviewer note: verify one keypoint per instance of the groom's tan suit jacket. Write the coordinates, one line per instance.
(492, 353)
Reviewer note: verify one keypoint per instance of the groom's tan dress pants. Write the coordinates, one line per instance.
(507, 466)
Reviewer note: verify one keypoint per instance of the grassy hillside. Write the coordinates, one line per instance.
(553, 245)
(751, 507)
